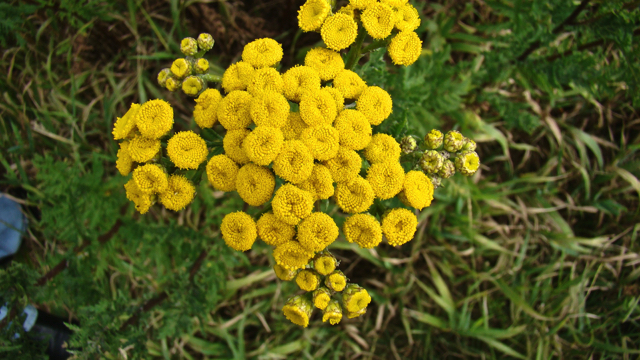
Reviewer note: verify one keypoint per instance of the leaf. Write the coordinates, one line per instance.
(426, 318)
(588, 140)
(630, 178)
(501, 347)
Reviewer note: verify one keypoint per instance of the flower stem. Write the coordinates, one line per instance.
(354, 54)
(375, 45)
(211, 78)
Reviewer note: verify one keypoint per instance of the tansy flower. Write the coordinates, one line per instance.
(262, 53)
(337, 97)
(308, 280)
(467, 162)
(378, 19)
(407, 18)
(298, 310)
(399, 225)
(205, 41)
(270, 109)
(453, 141)
(189, 46)
(361, 4)
(405, 48)
(318, 107)
(354, 197)
(350, 10)
(181, 68)
(141, 200)
(237, 76)
(345, 166)
(339, 31)
(154, 119)
(433, 139)
(126, 125)
(265, 80)
(255, 184)
(187, 150)
(206, 111)
(294, 126)
(317, 231)
(375, 104)
(324, 263)
(386, 179)
(179, 193)
(202, 66)
(382, 148)
(222, 172)
(469, 145)
(354, 129)
(326, 62)
(238, 230)
(163, 75)
(447, 170)
(273, 231)
(417, 190)
(150, 179)
(336, 281)
(364, 230)
(263, 144)
(284, 274)
(294, 163)
(332, 313)
(232, 144)
(355, 298)
(192, 85)
(142, 149)
(233, 110)
(299, 79)
(321, 298)
(172, 83)
(312, 14)
(360, 312)
(124, 163)
(319, 183)
(322, 141)
(349, 84)
(291, 255)
(291, 204)
(394, 3)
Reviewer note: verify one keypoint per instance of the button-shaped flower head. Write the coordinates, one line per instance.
(355, 298)
(312, 14)
(431, 162)
(150, 178)
(379, 19)
(308, 280)
(317, 231)
(332, 313)
(324, 263)
(283, 273)
(382, 148)
(294, 126)
(323, 141)
(326, 62)
(125, 126)
(407, 18)
(417, 191)
(265, 80)
(238, 230)
(273, 231)
(179, 193)
(375, 103)
(154, 119)
(349, 84)
(336, 281)
(354, 197)
(270, 109)
(298, 310)
(291, 255)
(386, 179)
(405, 48)
(319, 183)
(339, 31)
(222, 172)
(263, 144)
(124, 162)
(291, 204)
(143, 149)
(298, 80)
(142, 200)
(233, 110)
(364, 230)
(354, 129)
(232, 144)
(262, 53)
(318, 107)
(399, 225)
(255, 184)
(294, 163)
(206, 110)
(237, 76)
(187, 150)
(345, 166)
(321, 298)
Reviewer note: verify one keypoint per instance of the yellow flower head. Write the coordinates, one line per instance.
(399, 225)
(317, 231)
(395, 3)
(405, 48)
(467, 162)
(354, 129)
(375, 104)
(354, 197)
(232, 144)
(284, 274)
(222, 172)
(336, 281)
(291, 255)
(192, 85)
(382, 148)
(124, 163)
(237, 76)
(202, 66)
(126, 125)
(453, 141)
(386, 179)
(332, 313)
(294, 163)
(189, 46)
(364, 230)
(433, 139)
(238, 230)
(349, 84)
(312, 14)
(298, 310)
(263, 144)
(206, 111)
(417, 190)
(321, 298)
(318, 107)
(291, 204)
(319, 183)
(407, 18)
(298, 80)
(270, 109)
(350, 10)
(163, 75)
(361, 4)
(142, 149)
(345, 166)
(187, 150)
(255, 184)
(181, 68)
(360, 312)
(355, 298)
(322, 141)
(142, 201)
(337, 97)
(154, 119)
(339, 31)
(150, 179)
(308, 280)
(233, 110)
(205, 42)
(262, 53)
(172, 83)
(178, 194)
(265, 80)
(326, 62)
(379, 19)
(324, 263)
(273, 231)
(294, 126)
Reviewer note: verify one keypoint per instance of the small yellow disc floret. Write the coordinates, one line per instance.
(237, 76)
(354, 197)
(319, 183)
(354, 129)
(318, 107)
(150, 179)
(386, 179)
(265, 80)
(382, 148)
(322, 141)
(312, 14)
(142, 149)
(298, 80)
(345, 166)
(270, 109)
(232, 144)
(154, 119)
(263, 145)
(233, 110)
(379, 19)
(407, 18)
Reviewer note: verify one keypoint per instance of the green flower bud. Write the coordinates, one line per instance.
(453, 141)
(189, 46)
(202, 66)
(469, 145)
(447, 170)
(321, 298)
(308, 279)
(172, 83)
(433, 139)
(324, 263)
(298, 310)
(435, 180)
(431, 162)
(333, 312)
(192, 85)
(181, 68)
(163, 75)
(467, 163)
(205, 41)
(355, 298)
(408, 144)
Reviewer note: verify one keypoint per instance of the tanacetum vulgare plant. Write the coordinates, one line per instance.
(293, 139)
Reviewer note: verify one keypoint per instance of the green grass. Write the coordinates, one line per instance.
(535, 257)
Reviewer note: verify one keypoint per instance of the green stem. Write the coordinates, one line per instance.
(211, 78)
(375, 45)
(354, 54)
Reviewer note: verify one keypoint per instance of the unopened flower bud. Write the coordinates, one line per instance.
(321, 298)
(181, 68)
(453, 141)
(189, 46)
(205, 41)
(435, 180)
(298, 310)
(355, 298)
(467, 163)
(469, 145)
(445, 154)
(336, 281)
(433, 139)
(431, 162)
(447, 170)
(408, 144)
(324, 263)
(333, 312)
(192, 85)
(163, 75)
(202, 66)
(283, 273)
(172, 84)
(308, 279)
